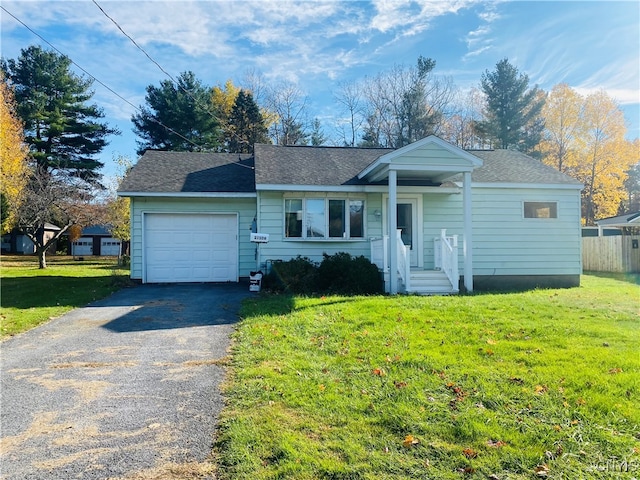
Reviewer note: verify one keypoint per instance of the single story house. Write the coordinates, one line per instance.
(433, 217)
(627, 221)
(17, 242)
(96, 240)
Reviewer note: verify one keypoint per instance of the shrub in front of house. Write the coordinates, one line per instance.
(298, 275)
(340, 273)
(344, 274)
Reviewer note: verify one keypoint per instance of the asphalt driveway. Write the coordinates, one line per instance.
(126, 388)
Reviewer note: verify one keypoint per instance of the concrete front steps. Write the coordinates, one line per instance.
(430, 282)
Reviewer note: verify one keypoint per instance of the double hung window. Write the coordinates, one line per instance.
(324, 218)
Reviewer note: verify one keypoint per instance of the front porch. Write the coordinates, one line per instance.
(444, 279)
(424, 166)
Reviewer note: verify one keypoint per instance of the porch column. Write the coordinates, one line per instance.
(467, 245)
(393, 226)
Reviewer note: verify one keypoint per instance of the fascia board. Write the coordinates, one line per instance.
(189, 194)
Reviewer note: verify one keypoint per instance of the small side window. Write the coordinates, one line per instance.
(540, 210)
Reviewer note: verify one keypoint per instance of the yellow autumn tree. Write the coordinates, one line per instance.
(585, 138)
(13, 156)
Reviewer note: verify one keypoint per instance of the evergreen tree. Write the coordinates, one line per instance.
(62, 130)
(317, 136)
(246, 125)
(177, 117)
(512, 118)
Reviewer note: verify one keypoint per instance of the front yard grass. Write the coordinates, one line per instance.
(31, 296)
(540, 384)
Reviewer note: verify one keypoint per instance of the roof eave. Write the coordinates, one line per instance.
(189, 194)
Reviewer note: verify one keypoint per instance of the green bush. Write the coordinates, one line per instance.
(340, 273)
(343, 274)
(298, 275)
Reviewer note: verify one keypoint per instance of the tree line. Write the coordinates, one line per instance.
(52, 134)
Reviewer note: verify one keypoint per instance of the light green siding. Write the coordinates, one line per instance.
(245, 208)
(506, 243)
(271, 221)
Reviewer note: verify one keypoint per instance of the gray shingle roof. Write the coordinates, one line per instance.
(508, 166)
(296, 165)
(171, 172)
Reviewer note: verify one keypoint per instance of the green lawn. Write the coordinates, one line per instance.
(31, 296)
(503, 386)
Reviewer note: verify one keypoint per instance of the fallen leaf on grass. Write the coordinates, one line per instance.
(321, 387)
(470, 453)
(496, 443)
(379, 372)
(540, 389)
(613, 371)
(490, 341)
(542, 470)
(399, 384)
(410, 441)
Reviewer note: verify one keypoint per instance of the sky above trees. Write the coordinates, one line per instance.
(319, 45)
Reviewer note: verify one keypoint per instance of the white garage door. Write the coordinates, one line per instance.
(110, 246)
(82, 246)
(190, 247)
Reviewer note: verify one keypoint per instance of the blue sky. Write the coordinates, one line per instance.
(319, 44)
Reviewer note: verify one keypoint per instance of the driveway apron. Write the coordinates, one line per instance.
(126, 388)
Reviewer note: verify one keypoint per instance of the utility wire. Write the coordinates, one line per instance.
(201, 147)
(204, 108)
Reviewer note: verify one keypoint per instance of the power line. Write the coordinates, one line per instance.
(99, 81)
(204, 108)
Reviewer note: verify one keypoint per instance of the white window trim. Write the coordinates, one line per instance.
(537, 219)
(347, 199)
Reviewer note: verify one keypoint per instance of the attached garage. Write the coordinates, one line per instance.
(190, 247)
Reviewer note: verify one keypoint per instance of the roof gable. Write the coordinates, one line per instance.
(430, 157)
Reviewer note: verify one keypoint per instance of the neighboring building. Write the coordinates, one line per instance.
(622, 222)
(96, 240)
(492, 218)
(18, 242)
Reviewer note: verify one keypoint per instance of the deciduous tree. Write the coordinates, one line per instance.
(289, 105)
(53, 199)
(178, 117)
(563, 115)
(13, 156)
(62, 129)
(584, 137)
(512, 116)
(405, 104)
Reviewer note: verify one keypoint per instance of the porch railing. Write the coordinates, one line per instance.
(446, 257)
(380, 257)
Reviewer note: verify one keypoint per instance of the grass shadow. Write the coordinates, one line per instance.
(633, 278)
(52, 291)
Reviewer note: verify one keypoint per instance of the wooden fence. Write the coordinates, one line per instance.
(611, 254)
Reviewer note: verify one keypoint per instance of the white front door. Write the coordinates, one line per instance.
(409, 223)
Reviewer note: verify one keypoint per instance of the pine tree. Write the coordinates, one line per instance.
(177, 117)
(61, 128)
(512, 118)
(246, 125)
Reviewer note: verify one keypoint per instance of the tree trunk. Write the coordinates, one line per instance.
(42, 259)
